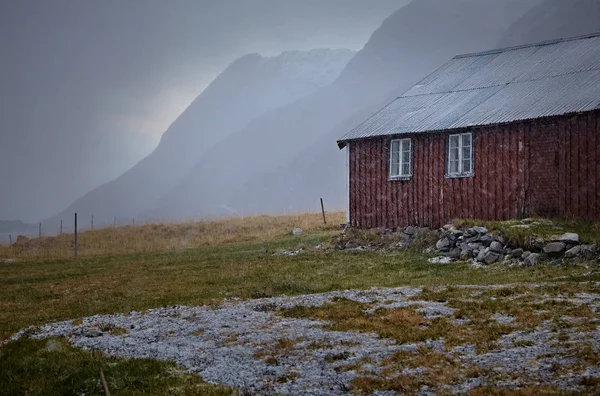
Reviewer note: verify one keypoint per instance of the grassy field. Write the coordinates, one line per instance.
(140, 268)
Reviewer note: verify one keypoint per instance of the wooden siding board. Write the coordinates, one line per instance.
(590, 161)
(435, 196)
(478, 161)
(505, 172)
(426, 181)
(575, 170)
(561, 170)
(597, 162)
(513, 174)
(430, 184)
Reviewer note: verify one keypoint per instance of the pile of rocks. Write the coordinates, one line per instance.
(483, 248)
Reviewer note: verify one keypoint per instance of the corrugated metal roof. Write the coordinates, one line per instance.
(512, 84)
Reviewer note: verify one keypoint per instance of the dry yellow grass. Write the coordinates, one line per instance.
(169, 236)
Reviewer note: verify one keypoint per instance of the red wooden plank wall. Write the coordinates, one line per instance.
(548, 167)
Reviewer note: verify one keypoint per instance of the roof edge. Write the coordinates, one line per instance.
(342, 143)
(536, 44)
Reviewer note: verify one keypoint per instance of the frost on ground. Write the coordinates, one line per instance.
(251, 346)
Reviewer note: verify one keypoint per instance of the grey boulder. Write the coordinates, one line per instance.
(554, 248)
(532, 259)
(496, 247)
(443, 244)
(569, 237)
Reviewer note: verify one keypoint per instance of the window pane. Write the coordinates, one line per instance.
(466, 140)
(405, 169)
(395, 169)
(395, 146)
(466, 166)
(454, 154)
(453, 167)
(453, 141)
(405, 157)
(466, 153)
(406, 145)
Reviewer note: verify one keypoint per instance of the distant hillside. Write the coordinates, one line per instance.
(287, 159)
(247, 89)
(554, 19)
(16, 226)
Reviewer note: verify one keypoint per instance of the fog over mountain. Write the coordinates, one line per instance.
(553, 19)
(248, 88)
(89, 87)
(287, 159)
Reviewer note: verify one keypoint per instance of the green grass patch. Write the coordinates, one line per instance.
(52, 367)
(37, 292)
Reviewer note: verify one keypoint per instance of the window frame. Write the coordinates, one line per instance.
(401, 175)
(461, 172)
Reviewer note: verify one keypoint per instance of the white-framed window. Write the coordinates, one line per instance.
(460, 155)
(401, 158)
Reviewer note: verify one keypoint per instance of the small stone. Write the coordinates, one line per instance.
(517, 253)
(466, 254)
(455, 253)
(440, 260)
(491, 257)
(496, 247)
(479, 230)
(532, 259)
(557, 262)
(525, 254)
(554, 248)
(297, 231)
(487, 240)
(410, 230)
(91, 332)
(481, 254)
(539, 243)
(569, 237)
(587, 252)
(443, 244)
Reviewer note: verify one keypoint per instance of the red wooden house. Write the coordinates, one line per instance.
(495, 135)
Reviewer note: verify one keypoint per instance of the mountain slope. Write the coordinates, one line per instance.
(258, 175)
(554, 19)
(248, 88)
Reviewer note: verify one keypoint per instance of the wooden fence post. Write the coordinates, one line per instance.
(323, 211)
(9, 240)
(92, 225)
(115, 222)
(61, 226)
(104, 383)
(133, 222)
(75, 239)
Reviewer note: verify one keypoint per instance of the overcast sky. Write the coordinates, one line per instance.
(139, 62)
(108, 76)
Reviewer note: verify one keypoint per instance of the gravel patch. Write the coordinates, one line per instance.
(248, 345)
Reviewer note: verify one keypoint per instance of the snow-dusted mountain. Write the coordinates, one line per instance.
(250, 87)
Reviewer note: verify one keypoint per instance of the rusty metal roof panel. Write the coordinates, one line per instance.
(513, 84)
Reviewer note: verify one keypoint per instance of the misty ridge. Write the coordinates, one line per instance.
(261, 138)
